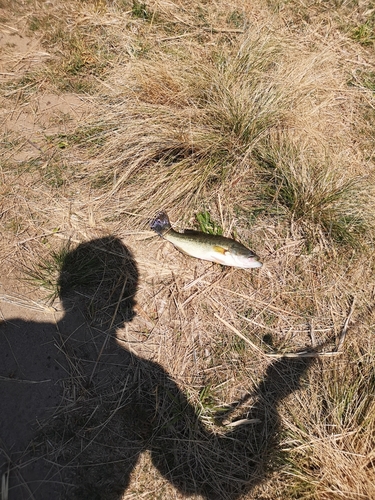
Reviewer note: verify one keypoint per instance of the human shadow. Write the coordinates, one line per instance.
(79, 407)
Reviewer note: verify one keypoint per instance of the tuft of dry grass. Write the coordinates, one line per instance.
(208, 126)
(323, 201)
(335, 434)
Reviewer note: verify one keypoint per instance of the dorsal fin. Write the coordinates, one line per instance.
(192, 231)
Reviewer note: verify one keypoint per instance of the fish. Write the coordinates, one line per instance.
(214, 248)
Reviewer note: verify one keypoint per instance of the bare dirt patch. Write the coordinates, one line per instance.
(37, 118)
(19, 53)
(29, 112)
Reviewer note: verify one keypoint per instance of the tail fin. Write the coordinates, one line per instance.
(161, 223)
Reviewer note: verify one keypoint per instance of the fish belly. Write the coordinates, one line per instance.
(204, 253)
(194, 249)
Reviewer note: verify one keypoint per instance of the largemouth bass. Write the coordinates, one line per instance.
(204, 246)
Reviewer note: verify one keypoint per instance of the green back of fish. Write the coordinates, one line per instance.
(191, 238)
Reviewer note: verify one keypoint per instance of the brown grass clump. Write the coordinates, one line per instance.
(204, 122)
(320, 199)
(238, 119)
(341, 437)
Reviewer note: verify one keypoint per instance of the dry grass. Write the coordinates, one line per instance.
(205, 121)
(321, 201)
(266, 126)
(337, 436)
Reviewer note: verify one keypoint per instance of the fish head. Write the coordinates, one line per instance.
(242, 257)
(229, 257)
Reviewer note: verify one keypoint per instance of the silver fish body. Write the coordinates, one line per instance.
(213, 248)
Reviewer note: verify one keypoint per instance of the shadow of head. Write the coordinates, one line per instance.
(100, 277)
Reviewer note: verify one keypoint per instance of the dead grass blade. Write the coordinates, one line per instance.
(240, 335)
(5, 484)
(345, 327)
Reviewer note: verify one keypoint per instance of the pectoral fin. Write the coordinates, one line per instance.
(221, 250)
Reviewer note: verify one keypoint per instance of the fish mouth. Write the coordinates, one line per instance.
(245, 263)
(253, 262)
